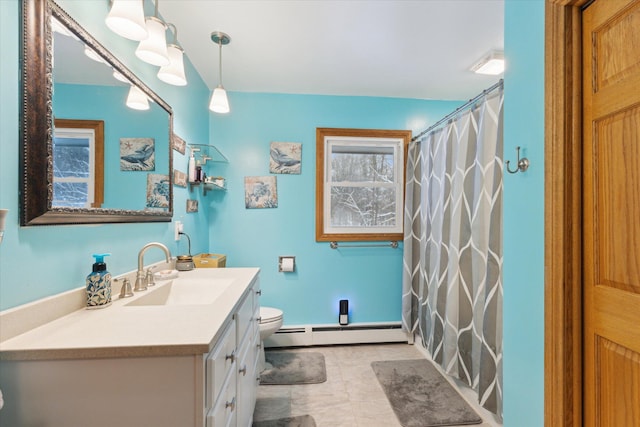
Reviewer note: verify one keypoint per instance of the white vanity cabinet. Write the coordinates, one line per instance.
(231, 375)
(196, 377)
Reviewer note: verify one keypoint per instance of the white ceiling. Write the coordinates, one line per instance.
(390, 48)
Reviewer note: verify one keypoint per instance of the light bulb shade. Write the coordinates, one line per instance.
(126, 18)
(153, 49)
(137, 99)
(219, 102)
(174, 72)
(92, 54)
(118, 76)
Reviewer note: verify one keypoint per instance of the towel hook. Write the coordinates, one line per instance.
(523, 163)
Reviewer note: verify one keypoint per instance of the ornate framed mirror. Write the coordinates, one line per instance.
(137, 143)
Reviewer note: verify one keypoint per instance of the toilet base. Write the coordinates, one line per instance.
(263, 365)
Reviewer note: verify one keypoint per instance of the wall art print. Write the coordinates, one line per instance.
(285, 157)
(158, 191)
(178, 144)
(137, 154)
(179, 178)
(260, 192)
(192, 205)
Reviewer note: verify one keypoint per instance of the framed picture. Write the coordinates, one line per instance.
(260, 192)
(179, 178)
(192, 205)
(137, 154)
(285, 157)
(158, 191)
(178, 144)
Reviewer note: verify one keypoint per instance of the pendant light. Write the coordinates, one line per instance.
(219, 102)
(153, 49)
(137, 99)
(126, 18)
(173, 73)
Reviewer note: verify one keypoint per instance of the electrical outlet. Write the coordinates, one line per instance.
(176, 230)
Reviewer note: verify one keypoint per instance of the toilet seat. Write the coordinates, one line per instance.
(270, 315)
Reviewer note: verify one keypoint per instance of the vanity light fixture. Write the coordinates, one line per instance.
(136, 99)
(219, 101)
(153, 49)
(126, 18)
(173, 73)
(491, 64)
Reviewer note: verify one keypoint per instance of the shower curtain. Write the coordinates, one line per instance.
(452, 280)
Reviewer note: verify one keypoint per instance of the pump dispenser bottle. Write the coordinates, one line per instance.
(99, 284)
(192, 168)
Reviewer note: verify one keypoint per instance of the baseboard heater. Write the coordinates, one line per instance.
(308, 335)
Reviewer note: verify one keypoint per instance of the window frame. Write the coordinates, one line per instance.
(97, 155)
(323, 138)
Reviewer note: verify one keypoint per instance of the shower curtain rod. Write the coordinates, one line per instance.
(460, 108)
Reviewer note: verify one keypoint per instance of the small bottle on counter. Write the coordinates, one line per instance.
(99, 284)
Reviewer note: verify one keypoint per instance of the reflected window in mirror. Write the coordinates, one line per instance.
(78, 163)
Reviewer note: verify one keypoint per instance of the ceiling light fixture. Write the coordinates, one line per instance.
(491, 64)
(173, 73)
(153, 49)
(136, 99)
(219, 102)
(126, 18)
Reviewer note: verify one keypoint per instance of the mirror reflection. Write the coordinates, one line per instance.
(87, 88)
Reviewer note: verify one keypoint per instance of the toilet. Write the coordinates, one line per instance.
(270, 322)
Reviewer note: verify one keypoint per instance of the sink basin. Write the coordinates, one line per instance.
(184, 292)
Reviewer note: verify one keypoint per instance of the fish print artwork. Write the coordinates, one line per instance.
(158, 191)
(285, 157)
(137, 154)
(260, 192)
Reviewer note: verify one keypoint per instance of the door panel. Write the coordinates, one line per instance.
(611, 195)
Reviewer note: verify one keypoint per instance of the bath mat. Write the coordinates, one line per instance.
(420, 396)
(300, 421)
(291, 367)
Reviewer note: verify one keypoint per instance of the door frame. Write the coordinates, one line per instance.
(563, 213)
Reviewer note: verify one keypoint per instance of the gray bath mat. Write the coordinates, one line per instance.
(300, 421)
(291, 367)
(420, 396)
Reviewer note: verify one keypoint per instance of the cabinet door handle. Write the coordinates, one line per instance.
(231, 404)
(231, 356)
(243, 371)
(258, 319)
(259, 292)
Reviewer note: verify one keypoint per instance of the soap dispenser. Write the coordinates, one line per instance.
(99, 284)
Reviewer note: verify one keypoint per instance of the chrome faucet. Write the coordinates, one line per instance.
(141, 278)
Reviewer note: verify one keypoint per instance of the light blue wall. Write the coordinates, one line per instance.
(524, 215)
(370, 278)
(40, 261)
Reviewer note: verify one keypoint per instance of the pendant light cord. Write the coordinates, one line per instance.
(220, 60)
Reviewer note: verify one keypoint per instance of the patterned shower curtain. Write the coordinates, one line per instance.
(452, 273)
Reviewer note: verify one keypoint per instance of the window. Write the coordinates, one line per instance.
(360, 184)
(78, 156)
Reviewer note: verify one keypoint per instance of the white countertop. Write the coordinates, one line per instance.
(120, 330)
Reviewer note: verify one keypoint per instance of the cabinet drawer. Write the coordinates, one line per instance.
(220, 363)
(224, 413)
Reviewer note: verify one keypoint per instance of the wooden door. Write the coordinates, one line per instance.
(611, 213)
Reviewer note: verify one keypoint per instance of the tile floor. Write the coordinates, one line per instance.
(351, 396)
